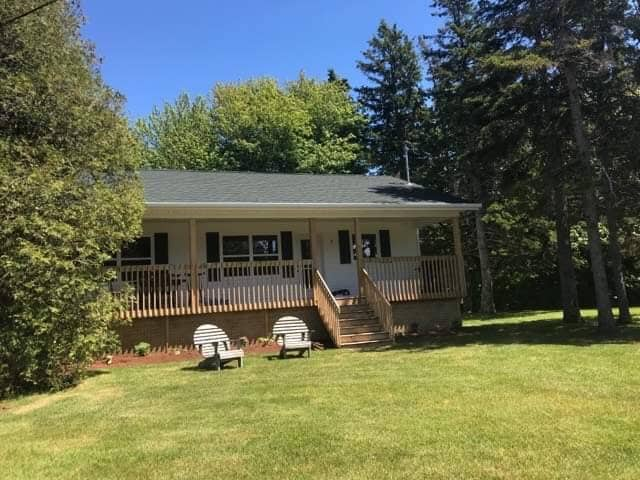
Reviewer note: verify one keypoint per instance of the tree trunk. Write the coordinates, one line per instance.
(487, 305)
(566, 270)
(606, 322)
(624, 315)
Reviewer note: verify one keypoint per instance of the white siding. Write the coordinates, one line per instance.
(403, 235)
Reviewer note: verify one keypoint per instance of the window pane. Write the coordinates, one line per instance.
(140, 248)
(235, 245)
(368, 245)
(265, 245)
(369, 248)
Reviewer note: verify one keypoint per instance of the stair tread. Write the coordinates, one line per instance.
(371, 334)
(359, 320)
(372, 326)
(366, 342)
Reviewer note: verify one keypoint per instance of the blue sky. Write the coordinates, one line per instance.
(154, 49)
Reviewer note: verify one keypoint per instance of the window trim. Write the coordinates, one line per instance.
(118, 258)
(233, 257)
(251, 255)
(269, 257)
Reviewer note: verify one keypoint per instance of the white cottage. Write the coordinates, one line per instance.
(240, 249)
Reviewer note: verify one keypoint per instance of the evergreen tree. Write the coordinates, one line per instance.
(393, 99)
(333, 77)
(474, 138)
(68, 196)
(565, 40)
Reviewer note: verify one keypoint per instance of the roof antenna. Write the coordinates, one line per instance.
(406, 160)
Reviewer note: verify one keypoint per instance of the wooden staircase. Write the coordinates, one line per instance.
(359, 326)
(358, 321)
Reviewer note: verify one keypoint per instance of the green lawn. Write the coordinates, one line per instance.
(516, 397)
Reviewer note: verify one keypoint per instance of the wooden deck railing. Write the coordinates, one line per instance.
(416, 278)
(165, 290)
(328, 308)
(377, 301)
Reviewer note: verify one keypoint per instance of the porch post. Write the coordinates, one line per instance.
(359, 262)
(313, 242)
(457, 247)
(193, 263)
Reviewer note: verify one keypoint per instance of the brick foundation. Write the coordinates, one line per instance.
(426, 316)
(177, 331)
(410, 317)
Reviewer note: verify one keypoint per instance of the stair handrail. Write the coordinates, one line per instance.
(328, 307)
(378, 302)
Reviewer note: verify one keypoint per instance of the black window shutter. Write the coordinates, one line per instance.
(287, 245)
(213, 254)
(213, 247)
(385, 243)
(345, 246)
(287, 253)
(161, 243)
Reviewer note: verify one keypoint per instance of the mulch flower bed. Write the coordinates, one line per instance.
(175, 355)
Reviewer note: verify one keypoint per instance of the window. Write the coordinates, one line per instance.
(138, 252)
(369, 248)
(236, 248)
(265, 247)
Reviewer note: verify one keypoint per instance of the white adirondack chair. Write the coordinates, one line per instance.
(213, 343)
(291, 333)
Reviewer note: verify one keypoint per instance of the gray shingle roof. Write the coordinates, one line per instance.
(182, 186)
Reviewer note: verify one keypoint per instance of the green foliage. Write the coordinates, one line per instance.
(393, 98)
(502, 133)
(180, 135)
(68, 196)
(142, 349)
(261, 128)
(258, 125)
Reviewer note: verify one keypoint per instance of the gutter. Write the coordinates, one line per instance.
(324, 206)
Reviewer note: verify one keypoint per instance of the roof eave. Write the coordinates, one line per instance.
(327, 206)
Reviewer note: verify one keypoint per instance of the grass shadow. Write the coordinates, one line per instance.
(96, 372)
(196, 368)
(531, 332)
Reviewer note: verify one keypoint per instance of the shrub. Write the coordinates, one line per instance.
(142, 349)
(68, 196)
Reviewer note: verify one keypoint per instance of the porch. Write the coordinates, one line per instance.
(167, 290)
(290, 264)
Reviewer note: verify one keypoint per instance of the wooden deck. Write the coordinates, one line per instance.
(404, 279)
(167, 290)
